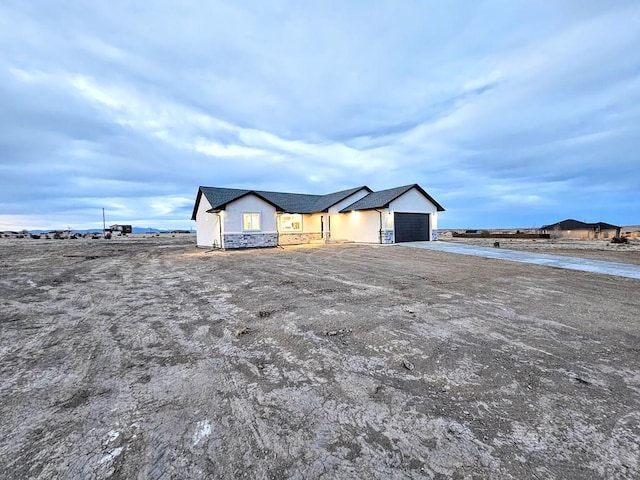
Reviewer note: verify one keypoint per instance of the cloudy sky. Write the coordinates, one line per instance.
(510, 113)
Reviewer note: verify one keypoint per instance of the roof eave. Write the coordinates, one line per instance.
(326, 210)
(348, 209)
(222, 206)
(439, 207)
(197, 204)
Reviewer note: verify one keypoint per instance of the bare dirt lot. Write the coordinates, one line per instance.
(147, 358)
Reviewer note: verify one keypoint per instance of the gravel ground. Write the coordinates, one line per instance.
(148, 358)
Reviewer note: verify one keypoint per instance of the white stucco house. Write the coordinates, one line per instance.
(235, 218)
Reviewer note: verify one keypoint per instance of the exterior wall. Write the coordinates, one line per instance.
(607, 234)
(311, 223)
(207, 225)
(232, 225)
(354, 197)
(631, 232)
(361, 226)
(343, 226)
(249, 204)
(311, 230)
(583, 234)
(414, 202)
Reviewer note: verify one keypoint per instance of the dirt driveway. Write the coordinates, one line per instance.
(147, 358)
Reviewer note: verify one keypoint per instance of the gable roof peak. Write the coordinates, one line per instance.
(382, 198)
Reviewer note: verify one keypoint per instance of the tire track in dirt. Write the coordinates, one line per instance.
(64, 382)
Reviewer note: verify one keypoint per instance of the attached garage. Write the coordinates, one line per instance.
(411, 227)
(402, 214)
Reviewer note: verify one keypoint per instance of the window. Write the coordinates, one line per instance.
(251, 221)
(291, 222)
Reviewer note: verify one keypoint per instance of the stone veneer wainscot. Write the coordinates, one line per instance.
(387, 236)
(249, 240)
(298, 238)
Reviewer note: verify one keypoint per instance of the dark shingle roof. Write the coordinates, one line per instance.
(216, 196)
(568, 224)
(291, 202)
(286, 202)
(220, 197)
(327, 201)
(605, 226)
(302, 203)
(571, 224)
(383, 198)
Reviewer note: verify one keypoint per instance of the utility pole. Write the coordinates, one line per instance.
(104, 225)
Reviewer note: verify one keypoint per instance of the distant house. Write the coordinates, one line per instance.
(235, 218)
(121, 229)
(577, 230)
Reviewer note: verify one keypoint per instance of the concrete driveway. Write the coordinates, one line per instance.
(558, 261)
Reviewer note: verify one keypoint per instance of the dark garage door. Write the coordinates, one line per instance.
(411, 227)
